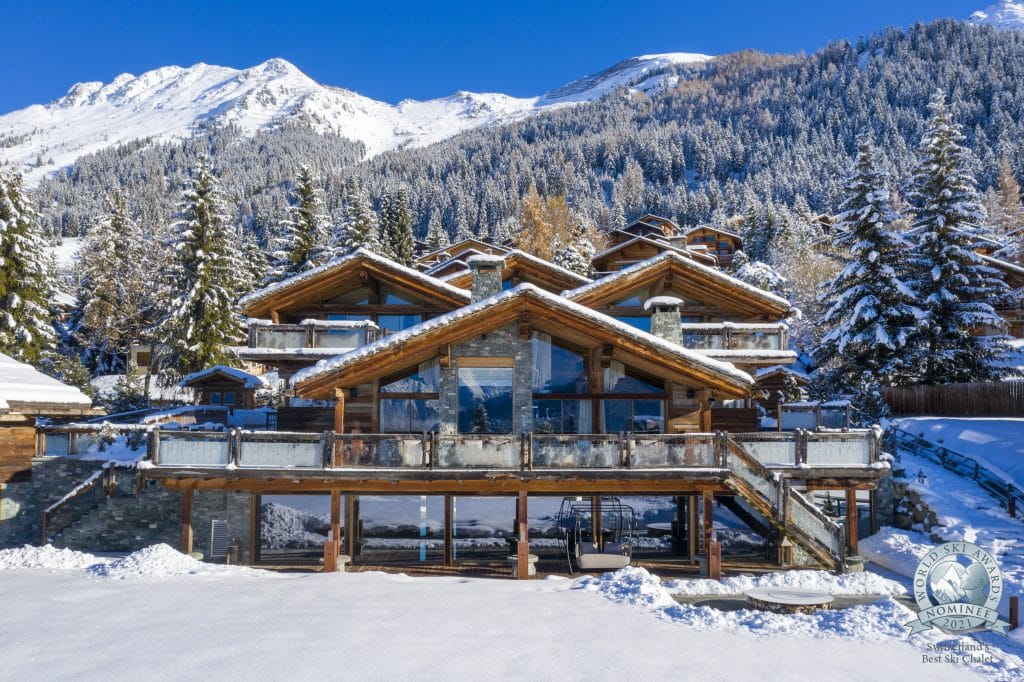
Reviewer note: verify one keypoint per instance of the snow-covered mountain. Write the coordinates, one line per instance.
(1006, 15)
(169, 102)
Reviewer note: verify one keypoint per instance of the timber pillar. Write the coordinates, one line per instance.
(851, 521)
(522, 537)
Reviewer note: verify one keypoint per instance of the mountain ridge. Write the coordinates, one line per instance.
(170, 102)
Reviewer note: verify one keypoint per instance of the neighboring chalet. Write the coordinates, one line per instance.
(458, 252)
(635, 384)
(225, 386)
(1011, 307)
(25, 395)
(520, 267)
(721, 243)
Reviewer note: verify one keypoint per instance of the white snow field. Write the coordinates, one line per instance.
(157, 614)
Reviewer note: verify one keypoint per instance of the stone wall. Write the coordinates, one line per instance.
(123, 522)
(504, 342)
(21, 504)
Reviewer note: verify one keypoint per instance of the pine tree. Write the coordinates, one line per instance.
(301, 242)
(955, 287)
(203, 280)
(871, 314)
(26, 280)
(1006, 213)
(437, 236)
(481, 421)
(396, 228)
(255, 269)
(577, 252)
(759, 274)
(112, 289)
(359, 226)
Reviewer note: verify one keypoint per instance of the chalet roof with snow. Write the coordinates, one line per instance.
(344, 274)
(646, 247)
(453, 250)
(26, 390)
(675, 271)
(524, 267)
(537, 309)
(243, 378)
(710, 228)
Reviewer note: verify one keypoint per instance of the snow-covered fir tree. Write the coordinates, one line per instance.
(954, 286)
(396, 236)
(1006, 213)
(301, 240)
(758, 273)
(437, 236)
(255, 268)
(113, 285)
(203, 280)
(576, 252)
(359, 224)
(26, 279)
(871, 313)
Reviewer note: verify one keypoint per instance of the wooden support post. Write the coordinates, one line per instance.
(350, 525)
(339, 410)
(707, 519)
(596, 525)
(522, 537)
(449, 531)
(336, 516)
(851, 521)
(186, 520)
(330, 556)
(1014, 613)
(714, 560)
(691, 528)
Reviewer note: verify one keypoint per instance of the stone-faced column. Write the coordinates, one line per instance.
(666, 320)
(486, 275)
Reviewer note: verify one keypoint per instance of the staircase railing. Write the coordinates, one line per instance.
(790, 511)
(59, 515)
(1008, 494)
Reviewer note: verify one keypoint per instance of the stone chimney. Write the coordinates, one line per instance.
(486, 275)
(665, 317)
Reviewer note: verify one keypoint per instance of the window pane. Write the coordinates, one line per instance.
(392, 298)
(408, 415)
(424, 379)
(616, 380)
(561, 416)
(354, 297)
(647, 416)
(485, 400)
(641, 323)
(395, 323)
(636, 300)
(556, 369)
(617, 415)
(215, 398)
(229, 398)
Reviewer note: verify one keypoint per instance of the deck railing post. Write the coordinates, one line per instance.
(153, 444)
(622, 447)
(327, 440)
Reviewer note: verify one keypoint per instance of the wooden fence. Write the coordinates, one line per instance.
(981, 399)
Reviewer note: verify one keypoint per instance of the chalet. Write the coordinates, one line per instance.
(226, 386)
(635, 384)
(1011, 306)
(25, 395)
(520, 267)
(718, 241)
(649, 226)
(456, 252)
(630, 252)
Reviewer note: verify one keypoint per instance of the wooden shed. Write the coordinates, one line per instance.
(223, 385)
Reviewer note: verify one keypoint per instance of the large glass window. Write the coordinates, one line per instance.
(559, 372)
(485, 399)
(348, 317)
(396, 323)
(409, 403)
(635, 411)
(641, 322)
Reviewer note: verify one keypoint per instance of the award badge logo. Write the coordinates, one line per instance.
(957, 587)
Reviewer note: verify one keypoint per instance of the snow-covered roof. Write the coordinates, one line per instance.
(665, 348)
(357, 255)
(535, 261)
(709, 228)
(312, 322)
(22, 387)
(663, 301)
(793, 370)
(704, 270)
(485, 260)
(447, 250)
(249, 380)
(660, 243)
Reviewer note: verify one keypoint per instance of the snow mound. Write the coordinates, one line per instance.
(632, 586)
(159, 561)
(47, 556)
(820, 581)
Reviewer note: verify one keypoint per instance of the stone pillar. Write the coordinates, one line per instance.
(665, 317)
(486, 276)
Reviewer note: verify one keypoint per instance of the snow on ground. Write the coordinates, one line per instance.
(152, 615)
(997, 444)
(821, 581)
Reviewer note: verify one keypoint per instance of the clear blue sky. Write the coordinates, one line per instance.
(397, 49)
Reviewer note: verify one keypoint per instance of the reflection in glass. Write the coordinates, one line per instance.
(408, 415)
(424, 379)
(485, 400)
(556, 369)
(562, 416)
(396, 323)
